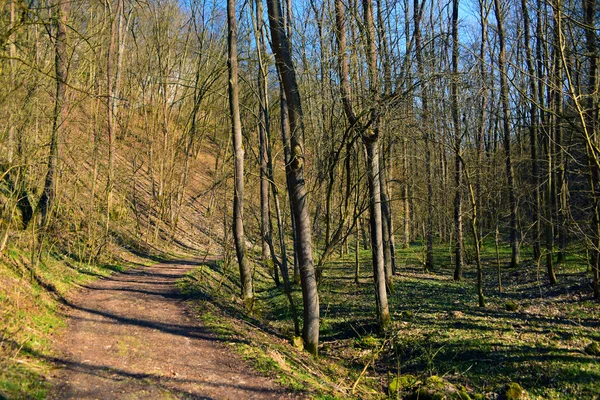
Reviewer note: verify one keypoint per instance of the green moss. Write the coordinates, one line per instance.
(511, 305)
(463, 394)
(402, 383)
(436, 388)
(298, 342)
(367, 342)
(513, 391)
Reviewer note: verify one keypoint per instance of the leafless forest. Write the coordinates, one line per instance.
(283, 137)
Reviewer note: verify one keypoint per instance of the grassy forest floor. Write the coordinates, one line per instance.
(534, 334)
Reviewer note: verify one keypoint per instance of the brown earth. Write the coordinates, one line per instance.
(132, 336)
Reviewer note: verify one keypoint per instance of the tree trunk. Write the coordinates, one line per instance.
(263, 127)
(458, 226)
(379, 274)
(370, 136)
(236, 134)
(560, 183)
(533, 133)
(113, 72)
(59, 123)
(591, 125)
(406, 196)
(418, 12)
(484, 10)
(295, 175)
(474, 225)
(386, 228)
(514, 232)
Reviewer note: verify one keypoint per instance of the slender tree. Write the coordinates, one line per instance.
(504, 100)
(60, 14)
(369, 132)
(425, 118)
(589, 121)
(458, 225)
(533, 129)
(236, 134)
(295, 177)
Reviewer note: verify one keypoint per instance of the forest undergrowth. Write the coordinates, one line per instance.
(539, 336)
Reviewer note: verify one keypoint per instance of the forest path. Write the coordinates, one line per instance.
(132, 336)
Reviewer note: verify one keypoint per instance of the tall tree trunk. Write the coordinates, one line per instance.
(113, 71)
(418, 12)
(560, 183)
(590, 124)
(269, 177)
(12, 52)
(287, 156)
(514, 232)
(295, 175)
(370, 136)
(59, 118)
(236, 134)
(533, 131)
(484, 9)
(263, 127)
(386, 229)
(555, 98)
(458, 225)
(386, 155)
(406, 195)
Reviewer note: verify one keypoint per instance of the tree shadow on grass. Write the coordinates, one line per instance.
(532, 366)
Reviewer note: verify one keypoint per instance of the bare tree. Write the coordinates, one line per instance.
(236, 134)
(369, 132)
(60, 14)
(295, 178)
(458, 225)
(514, 230)
(417, 16)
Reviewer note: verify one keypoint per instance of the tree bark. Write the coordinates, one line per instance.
(458, 225)
(59, 118)
(295, 178)
(236, 134)
(418, 12)
(370, 136)
(113, 72)
(514, 232)
(591, 125)
(560, 183)
(263, 138)
(406, 195)
(533, 132)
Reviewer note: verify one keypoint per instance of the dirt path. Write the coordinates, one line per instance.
(131, 336)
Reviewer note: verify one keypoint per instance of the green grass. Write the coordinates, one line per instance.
(438, 328)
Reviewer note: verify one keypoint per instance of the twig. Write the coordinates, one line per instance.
(367, 366)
